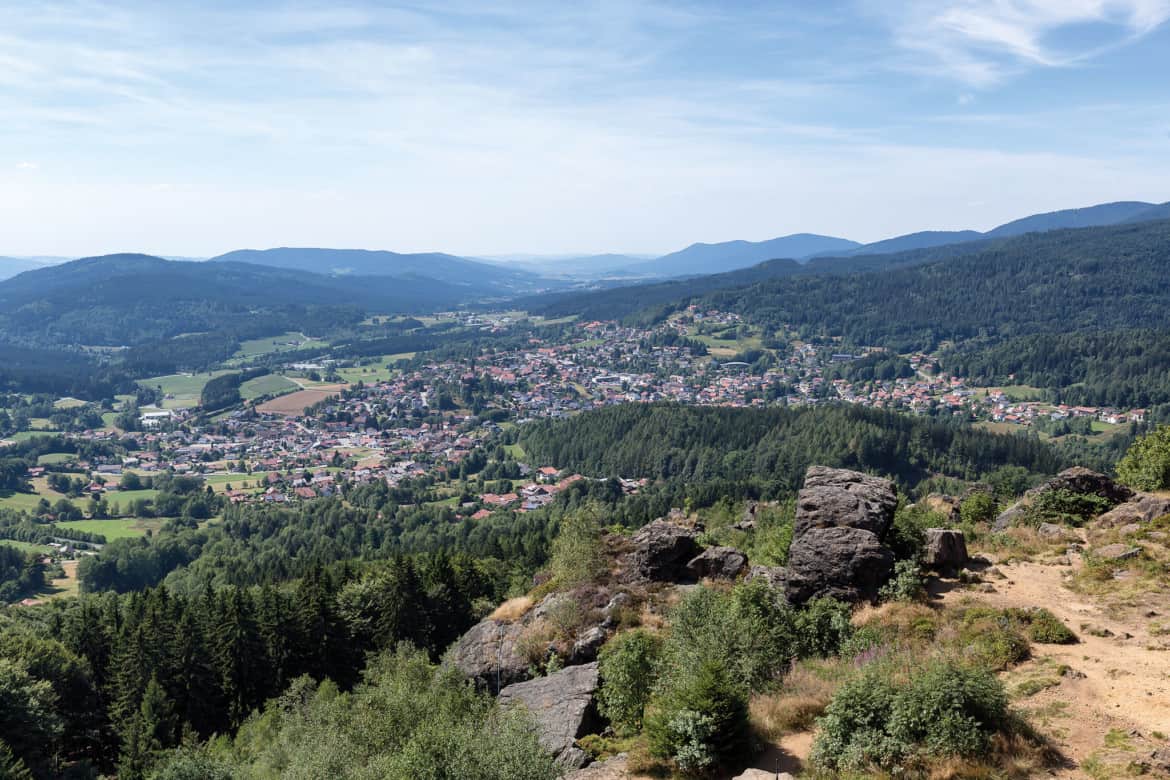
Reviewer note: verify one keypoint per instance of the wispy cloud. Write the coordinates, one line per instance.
(980, 42)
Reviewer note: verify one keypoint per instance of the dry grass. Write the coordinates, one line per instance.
(807, 690)
(512, 609)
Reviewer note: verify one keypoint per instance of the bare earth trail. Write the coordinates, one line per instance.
(1126, 678)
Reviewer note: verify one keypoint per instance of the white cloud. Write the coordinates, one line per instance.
(27, 166)
(980, 42)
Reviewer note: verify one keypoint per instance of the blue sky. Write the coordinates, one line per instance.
(474, 126)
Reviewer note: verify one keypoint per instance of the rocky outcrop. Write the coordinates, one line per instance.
(720, 563)
(1143, 508)
(563, 708)
(494, 653)
(837, 549)
(945, 551)
(841, 498)
(1075, 480)
(763, 774)
(662, 550)
(490, 654)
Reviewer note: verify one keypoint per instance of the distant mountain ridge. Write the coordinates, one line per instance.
(1101, 215)
(441, 267)
(730, 255)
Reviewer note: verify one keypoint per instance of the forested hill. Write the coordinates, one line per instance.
(1059, 281)
(773, 447)
(1090, 279)
(129, 299)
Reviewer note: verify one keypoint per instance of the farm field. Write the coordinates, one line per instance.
(376, 371)
(181, 390)
(55, 458)
(24, 546)
(293, 404)
(118, 528)
(272, 384)
(286, 342)
(721, 348)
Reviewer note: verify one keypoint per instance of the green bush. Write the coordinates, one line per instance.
(821, 627)
(993, 642)
(701, 721)
(577, 556)
(1044, 627)
(883, 720)
(907, 584)
(1065, 506)
(628, 666)
(979, 507)
(1146, 465)
(907, 536)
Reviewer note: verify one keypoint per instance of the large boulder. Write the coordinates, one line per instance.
(843, 498)
(563, 708)
(662, 550)
(946, 551)
(725, 563)
(837, 550)
(490, 654)
(1078, 480)
(850, 564)
(1143, 508)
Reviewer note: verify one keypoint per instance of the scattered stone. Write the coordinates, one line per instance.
(1160, 759)
(1117, 552)
(562, 705)
(986, 587)
(609, 769)
(946, 551)
(662, 550)
(725, 563)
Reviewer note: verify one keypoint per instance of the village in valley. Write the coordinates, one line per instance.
(319, 427)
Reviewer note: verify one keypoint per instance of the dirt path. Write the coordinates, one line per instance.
(1125, 686)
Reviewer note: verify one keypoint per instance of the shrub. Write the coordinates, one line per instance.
(907, 536)
(1146, 464)
(907, 583)
(993, 642)
(701, 721)
(1065, 506)
(821, 628)
(884, 720)
(1044, 627)
(577, 556)
(628, 667)
(979, 507)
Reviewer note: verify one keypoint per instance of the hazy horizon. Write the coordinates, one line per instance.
(524, 128)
